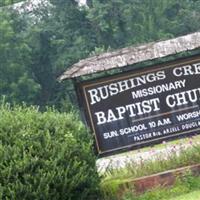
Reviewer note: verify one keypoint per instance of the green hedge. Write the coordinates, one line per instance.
(45, 156)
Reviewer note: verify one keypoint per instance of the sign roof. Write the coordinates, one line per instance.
(132, 55)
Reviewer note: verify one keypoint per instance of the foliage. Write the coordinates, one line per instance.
(37, 46)
(121, 23)
(16, 81)
(9, 2)
(45, 156)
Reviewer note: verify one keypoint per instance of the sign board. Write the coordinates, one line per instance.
(143, 106)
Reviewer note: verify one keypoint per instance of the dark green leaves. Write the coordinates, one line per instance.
(45, 156)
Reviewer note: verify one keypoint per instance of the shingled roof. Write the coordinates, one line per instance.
(132, 55)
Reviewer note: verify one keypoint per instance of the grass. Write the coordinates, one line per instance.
(172, 160)
(195, 195)
(186, 188)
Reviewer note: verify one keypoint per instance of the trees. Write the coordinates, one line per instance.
(8, 2)
(57, 40)
(17, 84)
(37, 47)
(121, 23)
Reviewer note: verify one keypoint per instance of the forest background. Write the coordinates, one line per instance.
(37, 45)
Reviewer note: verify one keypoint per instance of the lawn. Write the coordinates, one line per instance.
(185, 188)
(191, 196)
(184, 152)
(170, 158)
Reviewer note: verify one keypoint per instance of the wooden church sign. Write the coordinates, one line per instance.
(144, 105)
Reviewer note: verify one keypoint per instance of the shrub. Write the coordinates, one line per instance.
(45, 156)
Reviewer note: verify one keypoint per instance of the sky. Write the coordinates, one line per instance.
(82, 2)
(33, 3)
